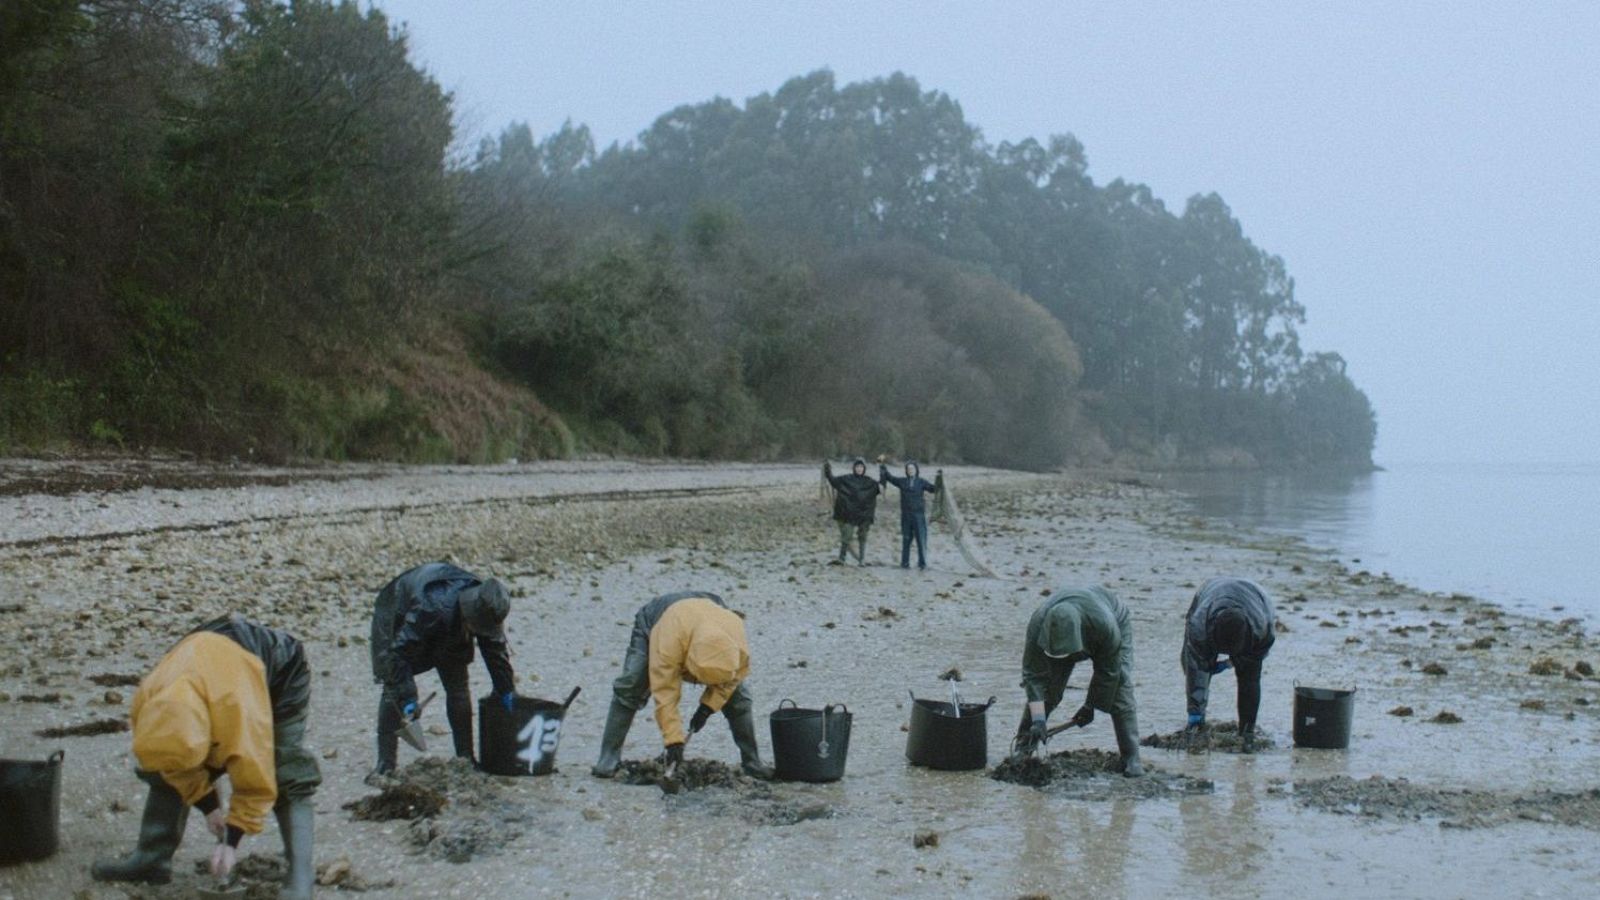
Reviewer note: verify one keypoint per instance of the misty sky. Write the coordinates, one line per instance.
(1429, 171)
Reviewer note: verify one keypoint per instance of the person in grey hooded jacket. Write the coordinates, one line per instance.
(1228, 617)
(1078, 624)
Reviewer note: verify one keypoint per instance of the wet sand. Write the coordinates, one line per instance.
(97, 582)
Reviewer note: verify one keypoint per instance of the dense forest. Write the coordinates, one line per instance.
(250, 229)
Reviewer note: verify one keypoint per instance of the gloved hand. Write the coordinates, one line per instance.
(1196, 721)
(698, 720)
(509, 700)
(674, 754)
(1037, 735)
(223, 859)
(409, 710)
(217, 822)
(1083, 716)
(1222, 665)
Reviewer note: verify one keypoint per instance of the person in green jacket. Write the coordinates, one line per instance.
(1079, 624)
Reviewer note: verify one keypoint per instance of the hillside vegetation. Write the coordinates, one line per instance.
(241, 229)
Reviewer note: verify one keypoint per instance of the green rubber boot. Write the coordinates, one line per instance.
(160, 831)
(618, 721)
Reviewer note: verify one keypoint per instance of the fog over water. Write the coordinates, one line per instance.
(1522, 535)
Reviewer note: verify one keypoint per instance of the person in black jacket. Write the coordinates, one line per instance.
(428, 618)
(1232, 617)
(913, 510)
(855, 504)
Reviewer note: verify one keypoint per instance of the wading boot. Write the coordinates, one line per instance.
(1127, 729)
(617, 722)
(295, 820)
(389, 723)
(743, 725)
(159, 833)
(861, 551)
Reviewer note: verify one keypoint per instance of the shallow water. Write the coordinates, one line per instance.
(1522, 535)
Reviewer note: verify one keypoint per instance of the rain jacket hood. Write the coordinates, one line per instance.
(716, 656)
(174, 730)
(912, 469)
(859, 463)
(1061, 632)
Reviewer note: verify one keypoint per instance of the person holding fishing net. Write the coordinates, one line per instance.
(855, 504)
(913, 509)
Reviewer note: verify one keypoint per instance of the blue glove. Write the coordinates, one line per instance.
(1221, 666)
(509, 700)
(409, 710)
(1196, 720)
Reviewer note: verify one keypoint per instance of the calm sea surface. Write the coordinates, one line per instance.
(1526, 536)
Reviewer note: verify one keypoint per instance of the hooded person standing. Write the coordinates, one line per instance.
(689, 636)
(855, 504)
(913, 510)
(1080, 624)
(429, 617)
(1228, 617)
(229, 699)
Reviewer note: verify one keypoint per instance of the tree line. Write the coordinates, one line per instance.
(243, 228)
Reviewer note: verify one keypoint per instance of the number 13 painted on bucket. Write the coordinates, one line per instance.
(538, 737)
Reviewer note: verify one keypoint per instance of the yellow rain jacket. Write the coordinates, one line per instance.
(205, 708)
(700, 642)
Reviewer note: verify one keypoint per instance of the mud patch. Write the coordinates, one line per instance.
(693, 775)
(1094, 775)
(400, 801)
(86, 729)
(113, 679)
(1396, 798)
(1221, 737)
(717, 789)
(470, 817)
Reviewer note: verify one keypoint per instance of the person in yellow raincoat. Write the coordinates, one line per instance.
(688, 636)
(229, 699)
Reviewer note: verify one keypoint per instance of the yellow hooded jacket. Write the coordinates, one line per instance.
(205, 708)
(697, 641)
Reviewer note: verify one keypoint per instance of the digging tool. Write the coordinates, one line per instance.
(227, 888)
(411, 731)
(1037, 748)
(571, 697)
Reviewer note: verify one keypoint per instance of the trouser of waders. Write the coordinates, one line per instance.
(846, 531)
(457, 708)
(913, 527)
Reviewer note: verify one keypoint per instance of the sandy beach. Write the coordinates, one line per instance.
(104, 564)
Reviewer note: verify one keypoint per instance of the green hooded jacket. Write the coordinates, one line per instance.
(1074, 625)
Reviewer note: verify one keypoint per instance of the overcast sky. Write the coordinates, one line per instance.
(1429, 171)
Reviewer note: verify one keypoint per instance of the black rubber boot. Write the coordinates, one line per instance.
(742, 722)
(296, 818)
(861, 551)
(160, 830)
(618, 720)
(389, 722)
(1127, 729)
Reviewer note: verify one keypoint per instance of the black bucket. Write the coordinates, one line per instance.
(809, 744)
(30, 794)
(1322, 717)
(940, 739)
(521, 741)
